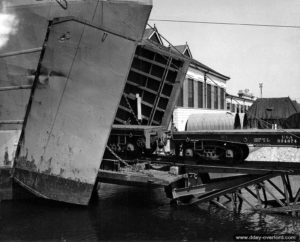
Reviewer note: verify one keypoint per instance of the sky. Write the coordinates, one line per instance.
(248, 55)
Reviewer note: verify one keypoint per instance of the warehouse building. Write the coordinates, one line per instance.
(240, 103)
(203, 90)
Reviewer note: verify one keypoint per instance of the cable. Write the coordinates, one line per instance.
(225, 23)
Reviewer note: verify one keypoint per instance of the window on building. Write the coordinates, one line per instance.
(216, 98)
(190, 93)
(200, 94)
(233, 108)
(238, 108)
(222, 99)
(242, 108)
(208, 96)
(228, 106)
(180, 98)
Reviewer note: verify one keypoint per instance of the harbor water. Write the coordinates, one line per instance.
(132, 214)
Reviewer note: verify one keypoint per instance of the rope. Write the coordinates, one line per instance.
(118, 157)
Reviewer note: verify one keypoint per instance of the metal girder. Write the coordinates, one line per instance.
(207, 192)
(238, 168)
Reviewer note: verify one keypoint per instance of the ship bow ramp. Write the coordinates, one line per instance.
(79, 65)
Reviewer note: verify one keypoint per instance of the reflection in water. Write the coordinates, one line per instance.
(124, 213)
(8, 24)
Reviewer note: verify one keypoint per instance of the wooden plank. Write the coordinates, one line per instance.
(151, 178)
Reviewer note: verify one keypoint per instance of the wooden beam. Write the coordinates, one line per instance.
(276, 187)
(251, 192)
(276, 198)
(289, 187)
(297, 196)
(219, 204)
(287, 197)
(258, 197)
(264, 193)
(246, 201)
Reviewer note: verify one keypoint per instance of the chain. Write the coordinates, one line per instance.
(118, 157)
(131, 110)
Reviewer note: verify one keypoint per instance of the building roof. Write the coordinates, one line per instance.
(208, 70)
(185, 50)
(297, 105)
(153, 35)
(244, 98)
(272, 108)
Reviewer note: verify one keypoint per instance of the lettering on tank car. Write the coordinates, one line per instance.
(261, 140)
(287, 139)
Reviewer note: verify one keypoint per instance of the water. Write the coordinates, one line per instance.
(125, 213)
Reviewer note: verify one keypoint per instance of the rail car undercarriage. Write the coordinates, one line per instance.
(194, 170)
(134, 141)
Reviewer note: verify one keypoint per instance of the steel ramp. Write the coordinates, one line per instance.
(209, 191)
(70, 113)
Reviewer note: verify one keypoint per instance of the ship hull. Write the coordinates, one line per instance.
(78, 79)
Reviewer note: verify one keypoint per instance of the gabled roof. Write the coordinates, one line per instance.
(152, 34)
(184, 49)
(272, 108)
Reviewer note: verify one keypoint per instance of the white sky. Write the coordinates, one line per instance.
(248, 55)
